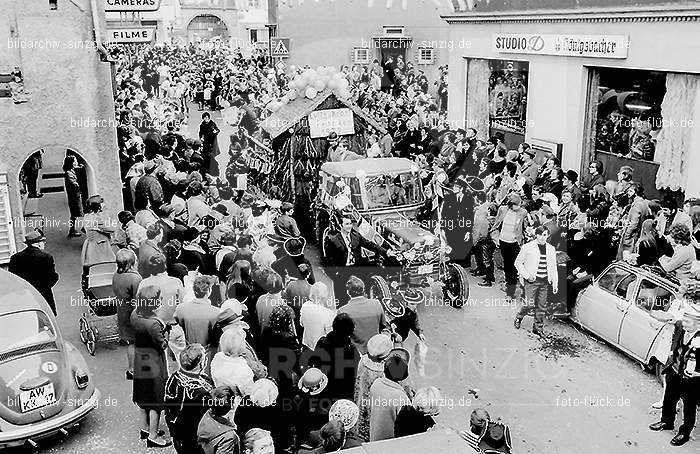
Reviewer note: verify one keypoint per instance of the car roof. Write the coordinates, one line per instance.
(19, 294)
(371, 167)
(650, 273)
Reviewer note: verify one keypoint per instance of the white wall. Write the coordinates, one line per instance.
(557, 85)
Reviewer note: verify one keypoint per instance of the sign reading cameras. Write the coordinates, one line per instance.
(131, 5)
(130, 35)
(322, 122)
(598, 46)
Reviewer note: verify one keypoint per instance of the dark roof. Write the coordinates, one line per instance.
(289, 114)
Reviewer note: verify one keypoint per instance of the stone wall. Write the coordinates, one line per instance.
(68, 84)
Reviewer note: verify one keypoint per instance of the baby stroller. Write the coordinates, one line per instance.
(99, 322)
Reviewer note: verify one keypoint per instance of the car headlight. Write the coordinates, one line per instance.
(81, 378)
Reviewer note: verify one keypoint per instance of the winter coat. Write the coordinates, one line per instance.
(387, 399)
(411, 421)
(217, 435)
(233, 372)
(97, 247)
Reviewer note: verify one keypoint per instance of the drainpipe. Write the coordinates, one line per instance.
(104, 53)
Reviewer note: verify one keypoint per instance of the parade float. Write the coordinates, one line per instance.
(317, 103)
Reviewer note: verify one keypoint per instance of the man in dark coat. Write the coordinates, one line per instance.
(36, 266)
(149, 191)
(682, 383)
(208, 134)
(458, 218)
(343, 253)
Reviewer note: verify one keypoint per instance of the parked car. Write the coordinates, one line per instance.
(47, 387)
(617, 308)
(383, 195)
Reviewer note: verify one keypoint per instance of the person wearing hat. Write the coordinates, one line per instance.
(682, 371)
(458, 217)
(36, 266)
(237, 168)
(285, 225)
(410, 299)
(388, 396)
(288, 264)
(370, 368)
(529, 169)
(570, 184)
(313, 402)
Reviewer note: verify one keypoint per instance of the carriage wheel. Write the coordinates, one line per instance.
(456, 288)
(83, 330)
(91, 341)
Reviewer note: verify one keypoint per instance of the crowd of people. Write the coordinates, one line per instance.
(232, 340)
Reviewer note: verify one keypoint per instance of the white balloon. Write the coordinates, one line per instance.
(344, 83)
(333, 84)
(332, 70)
(292, 95)
(319, 85)
(311, 92)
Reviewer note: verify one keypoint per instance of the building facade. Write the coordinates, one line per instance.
(62, 102)
(345, 33)
(616, 80)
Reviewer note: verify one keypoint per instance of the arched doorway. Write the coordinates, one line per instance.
(205, 27)
(42, 191)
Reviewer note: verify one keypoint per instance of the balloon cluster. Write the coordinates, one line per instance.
(311, 82)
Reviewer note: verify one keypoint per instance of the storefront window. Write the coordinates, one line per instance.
(508, 95)
(628, 115)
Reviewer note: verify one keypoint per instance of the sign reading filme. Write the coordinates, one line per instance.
(131, 5)
(130, 35)
(597, 46)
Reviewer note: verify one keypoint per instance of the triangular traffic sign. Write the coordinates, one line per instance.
(280, 48)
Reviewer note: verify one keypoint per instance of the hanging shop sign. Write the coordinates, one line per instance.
(130, 35)
(131, 5)
(322, 122)
(596, 46)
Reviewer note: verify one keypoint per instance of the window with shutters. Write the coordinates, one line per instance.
(361, 55)
(7, 232)
(426, 55)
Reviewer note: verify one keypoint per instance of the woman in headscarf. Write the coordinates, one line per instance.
(150, 367)
(647, 246)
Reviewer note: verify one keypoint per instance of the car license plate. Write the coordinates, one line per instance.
(425, 269)
(37, 398)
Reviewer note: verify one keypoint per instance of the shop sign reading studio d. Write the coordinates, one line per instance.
(131, 5)
(322, 122)
(598, 46)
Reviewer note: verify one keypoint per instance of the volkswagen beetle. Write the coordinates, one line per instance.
(47, 387)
